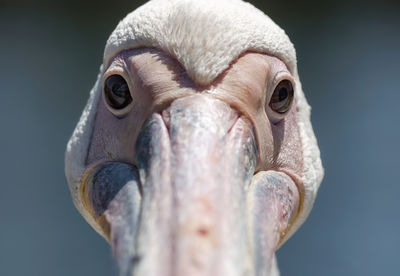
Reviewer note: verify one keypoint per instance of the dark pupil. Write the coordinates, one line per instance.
(117, 92)
(282, 97)
(283, 94)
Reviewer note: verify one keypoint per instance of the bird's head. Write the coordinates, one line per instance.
(195, 154)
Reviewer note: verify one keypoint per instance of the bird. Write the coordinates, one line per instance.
(195, 153)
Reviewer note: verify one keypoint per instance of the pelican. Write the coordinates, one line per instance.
(195, 153)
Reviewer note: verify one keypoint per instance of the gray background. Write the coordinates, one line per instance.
(349, 57)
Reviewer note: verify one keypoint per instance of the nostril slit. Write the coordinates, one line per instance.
(166, 116)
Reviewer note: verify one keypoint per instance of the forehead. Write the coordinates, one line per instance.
(155, 67)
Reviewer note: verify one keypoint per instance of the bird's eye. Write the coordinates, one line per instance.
(116, 92)
(282, 97)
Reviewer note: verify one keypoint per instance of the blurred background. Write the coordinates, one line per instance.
(348, 58)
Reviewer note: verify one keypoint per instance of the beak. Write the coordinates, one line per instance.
(193, 205)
